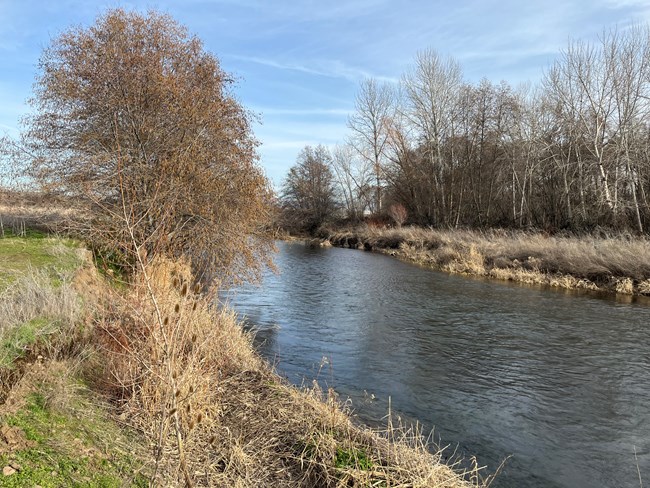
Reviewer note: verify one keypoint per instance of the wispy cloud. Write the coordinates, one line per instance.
(301, 61)
(302, 111)
(327, 68)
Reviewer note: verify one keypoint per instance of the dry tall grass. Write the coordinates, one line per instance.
(619, 264)
(36, 318)
(187, 376)
(33, 296)
(33, 210)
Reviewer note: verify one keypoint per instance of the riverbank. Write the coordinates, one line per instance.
(38, 211)
(103, 385)
(611, 264)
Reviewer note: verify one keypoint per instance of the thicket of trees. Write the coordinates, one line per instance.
(134, 117)
(571, 153)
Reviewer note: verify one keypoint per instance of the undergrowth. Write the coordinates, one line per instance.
(53, 434)
(153, 384)
(619, 264)
(187, 376)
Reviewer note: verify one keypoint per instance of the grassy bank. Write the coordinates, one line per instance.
(54, 429)
(151, 385)
(614, 264)
(20, 211)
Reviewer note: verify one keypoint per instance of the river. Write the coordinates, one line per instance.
(558, 381)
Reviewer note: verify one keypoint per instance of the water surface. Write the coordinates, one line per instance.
(560, 382)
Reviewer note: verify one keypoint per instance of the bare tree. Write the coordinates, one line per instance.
(571, 153)
(354, 178)
(308, 193)
(431, 89)
(133, 115)
(374, 107)
(629, 58)
(582, 85)
(600, 98)
(398, 213)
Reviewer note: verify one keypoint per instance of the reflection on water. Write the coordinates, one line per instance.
(561, 383)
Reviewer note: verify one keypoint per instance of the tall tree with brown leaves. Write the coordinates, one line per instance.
(134, 116)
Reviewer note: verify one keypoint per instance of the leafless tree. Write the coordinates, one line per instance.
(600, 91)
(432, 88)
(570, 153)
(353, 175)
(629, 58)
(308, 193)
(374, 107)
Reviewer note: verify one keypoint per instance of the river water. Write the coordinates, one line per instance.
(558, 381)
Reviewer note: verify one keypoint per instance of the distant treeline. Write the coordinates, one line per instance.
(572, 152)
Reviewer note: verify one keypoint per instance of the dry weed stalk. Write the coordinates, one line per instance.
(33, 296)
(194, 377)
(165, 362)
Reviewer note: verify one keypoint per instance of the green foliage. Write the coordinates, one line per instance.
(352, 458)
(112, 264)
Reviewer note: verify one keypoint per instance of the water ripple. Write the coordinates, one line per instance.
(560, 382)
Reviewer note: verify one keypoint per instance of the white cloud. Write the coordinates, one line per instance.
(302, 111)
(302, 60)
(328, 68)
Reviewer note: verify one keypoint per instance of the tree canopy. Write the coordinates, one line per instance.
(133, 115)
(308, 192)
(571, 153)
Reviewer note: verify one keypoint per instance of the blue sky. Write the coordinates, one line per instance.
(299, 62)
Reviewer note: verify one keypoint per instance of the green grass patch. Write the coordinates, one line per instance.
(16, 341)
(36, 250)
(75, 446)
(352, 458)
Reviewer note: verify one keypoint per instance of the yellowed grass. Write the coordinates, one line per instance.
(240, 424)
(644, 287)
(183, 374)
(37, 211)
(619, 264)
(34, 296)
